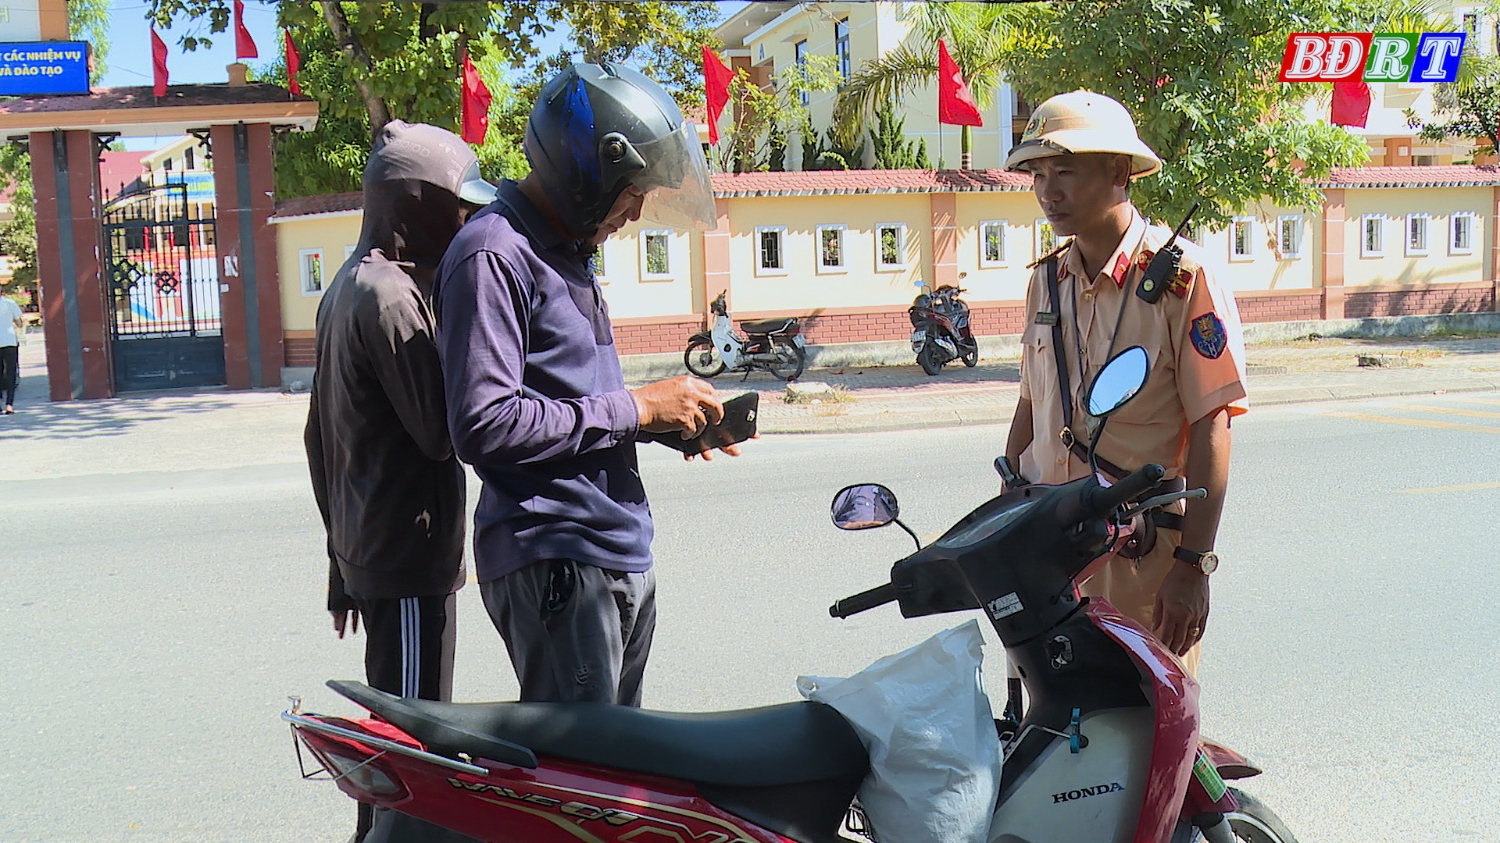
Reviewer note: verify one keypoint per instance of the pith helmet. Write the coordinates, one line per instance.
(1078, 122)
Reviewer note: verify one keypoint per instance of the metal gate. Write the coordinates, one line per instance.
(165, 320)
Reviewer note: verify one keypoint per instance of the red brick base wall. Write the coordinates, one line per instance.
(298, 351)
(1283, 307)
(830, 329)
(1417, 301)
(655, 337)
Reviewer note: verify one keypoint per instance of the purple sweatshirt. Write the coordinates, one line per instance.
(536, 400)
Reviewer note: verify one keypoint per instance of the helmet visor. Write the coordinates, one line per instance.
(678, 190)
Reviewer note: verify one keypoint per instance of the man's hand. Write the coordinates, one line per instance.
(1181, 608)
(345, 618)
(732, 450)
(684, 403)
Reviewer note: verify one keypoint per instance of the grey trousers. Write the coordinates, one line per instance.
(575, 632)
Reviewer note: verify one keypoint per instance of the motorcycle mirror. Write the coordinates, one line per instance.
(1119, 381)
(864, 506)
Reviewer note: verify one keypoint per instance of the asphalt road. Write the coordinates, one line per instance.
(153, 622)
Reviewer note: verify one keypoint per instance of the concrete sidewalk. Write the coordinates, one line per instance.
(217, 428)
(897, 397)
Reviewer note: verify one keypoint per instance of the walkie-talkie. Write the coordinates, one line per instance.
(1163, 265)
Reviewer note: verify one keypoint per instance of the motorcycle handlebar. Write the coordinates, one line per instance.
(1099, 501)
(878, 596)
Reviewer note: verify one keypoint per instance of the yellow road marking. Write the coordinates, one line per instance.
(1467, 487)
(1439, 425)
(1452, 411)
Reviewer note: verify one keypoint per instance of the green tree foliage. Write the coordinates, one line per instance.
(892, 150)
(832, 153)
(1469, 108)
(1198, 75)
(369, 62)
(18, 235)
(980, 37)
(88, 20)
(765, 118)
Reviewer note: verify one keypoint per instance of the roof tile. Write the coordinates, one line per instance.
(328, 203)
(837, 182)
(1454, 175)
(101, 99)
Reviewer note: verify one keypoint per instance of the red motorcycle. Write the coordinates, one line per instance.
(940, 329)
(1107, 751)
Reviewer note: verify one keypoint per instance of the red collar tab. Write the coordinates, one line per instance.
(1122, 268)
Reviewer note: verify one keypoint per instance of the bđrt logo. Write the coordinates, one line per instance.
(1372, 57)
(1085, 792)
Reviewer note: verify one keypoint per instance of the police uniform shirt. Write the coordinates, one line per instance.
(1192, 336)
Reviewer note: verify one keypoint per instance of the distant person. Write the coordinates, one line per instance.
(11, 326)
(389, 488)
(536, 399)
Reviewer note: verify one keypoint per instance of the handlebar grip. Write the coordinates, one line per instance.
(878, 596)
(1099, 501)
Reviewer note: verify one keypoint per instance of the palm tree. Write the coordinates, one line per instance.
(978, 35)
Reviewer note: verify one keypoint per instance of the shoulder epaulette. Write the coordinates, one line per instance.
(1050, 255)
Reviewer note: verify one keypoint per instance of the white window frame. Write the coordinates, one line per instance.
(900, 229)
(302, 270)
(646, 234)
(1472, 219)
(1249, 253)
(1411, 226)
(1281, 224)
(1042, 248)
(1365, 249)
(843, 265)
(1004, 259)
(780, 232)
(349, 251)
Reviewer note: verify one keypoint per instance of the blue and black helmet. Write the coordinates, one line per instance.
(597, 129)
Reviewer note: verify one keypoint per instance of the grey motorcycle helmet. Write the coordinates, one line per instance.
(597, 129)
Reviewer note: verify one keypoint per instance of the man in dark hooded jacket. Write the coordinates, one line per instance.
(383, 471)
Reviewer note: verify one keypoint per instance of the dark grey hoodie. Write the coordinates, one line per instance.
(389, 488)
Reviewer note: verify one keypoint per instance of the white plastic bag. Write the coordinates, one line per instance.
(926, 722)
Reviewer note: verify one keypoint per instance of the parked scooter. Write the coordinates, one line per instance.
(1109, 750)
(775, 345)
(941, 332)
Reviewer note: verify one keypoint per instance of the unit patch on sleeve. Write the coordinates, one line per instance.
(1209, 337)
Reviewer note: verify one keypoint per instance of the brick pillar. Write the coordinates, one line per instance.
(944, 239)
(716, 274)
(1333, 254)
(1494, 274)
(246, 245)
(65, 175)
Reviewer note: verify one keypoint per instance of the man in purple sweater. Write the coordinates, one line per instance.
(536, 399)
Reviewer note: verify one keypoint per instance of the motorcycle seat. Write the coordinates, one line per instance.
(788, 744)
(768, 326)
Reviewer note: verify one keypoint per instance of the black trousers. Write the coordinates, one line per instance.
(408, 652)
(575, 632)
(10, 373)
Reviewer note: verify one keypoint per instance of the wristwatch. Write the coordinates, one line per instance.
(1204, 563)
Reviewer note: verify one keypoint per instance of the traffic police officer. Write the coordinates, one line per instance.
(1082, 151)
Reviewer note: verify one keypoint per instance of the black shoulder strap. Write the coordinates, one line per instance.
(1065, 389)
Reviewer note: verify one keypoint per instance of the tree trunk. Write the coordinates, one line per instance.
(966, 148)
(355, 52)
